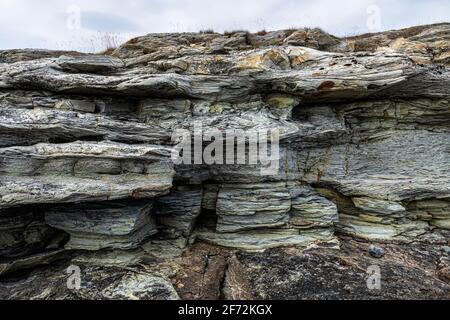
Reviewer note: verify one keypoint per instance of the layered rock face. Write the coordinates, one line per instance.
(86, 143)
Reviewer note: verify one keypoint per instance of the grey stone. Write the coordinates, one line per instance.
(48, 173)
(104, 226)
(446, 249)
(76, 105)
(310, 209)
(260, 240)
(31, 261)
(247, 207)
(177, 213)
(140, 287)
(364, 140)
(376, 252)
(89, 63)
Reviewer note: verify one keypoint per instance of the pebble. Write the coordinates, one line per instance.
(376, 252)
(446, 249)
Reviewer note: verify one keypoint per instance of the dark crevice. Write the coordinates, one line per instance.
(61, 140)
(223, 280)
(298, 113)
(207, 219)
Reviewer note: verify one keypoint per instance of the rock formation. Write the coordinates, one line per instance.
(87, 173)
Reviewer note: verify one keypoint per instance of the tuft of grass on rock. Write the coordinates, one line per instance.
(207, 31)
(233, 32)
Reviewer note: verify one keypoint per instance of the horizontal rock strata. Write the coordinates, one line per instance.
(86, 144)
(95, 227)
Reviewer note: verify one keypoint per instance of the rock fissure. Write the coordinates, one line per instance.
(87, 175)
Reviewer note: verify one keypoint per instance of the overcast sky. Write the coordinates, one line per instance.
(82, 24)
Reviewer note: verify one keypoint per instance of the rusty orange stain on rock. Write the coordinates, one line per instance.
(326, 85)
(250, 62)
(137, 193)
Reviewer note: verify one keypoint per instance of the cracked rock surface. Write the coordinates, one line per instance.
(87, 177)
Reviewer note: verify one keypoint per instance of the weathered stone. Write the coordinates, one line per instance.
(374, 228)
(24, 127)
(140, 287)
(22, 232)
(260, 240)
(98, 283)
(436, 211)
(109, 258)
(311, 210)
(76, 105)
(376, 252)
(364, 150)
(31, 261)
(11, 56)
(104, 226)
(164, 247)
(377, 205)
(83, 171)
(209, 199)
(446, 249)
(177, 213)
(247, 207)
(89, 63)
(322, 274)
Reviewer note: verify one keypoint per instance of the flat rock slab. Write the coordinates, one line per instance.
(89, 63)
(112, 225)
(83, 172)
(406, 273)
(50, 190)
(97, 283)
(263, 239)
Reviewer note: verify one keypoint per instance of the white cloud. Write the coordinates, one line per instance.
(43, 24)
